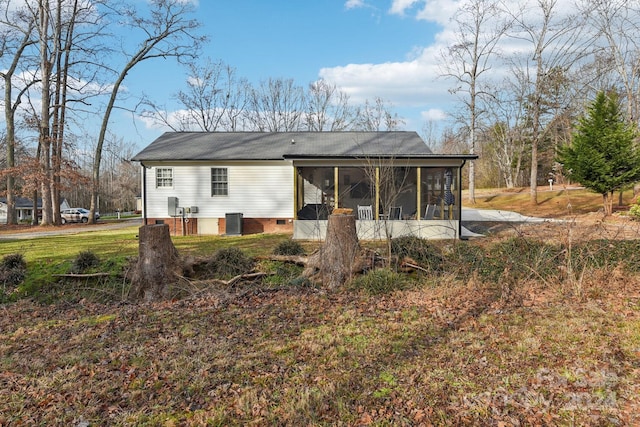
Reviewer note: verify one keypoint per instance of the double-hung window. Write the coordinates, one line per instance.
(219, 182)
(164, 178)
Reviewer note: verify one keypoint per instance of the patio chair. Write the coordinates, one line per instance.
(430, 211)
(395, 213)
(365, 212)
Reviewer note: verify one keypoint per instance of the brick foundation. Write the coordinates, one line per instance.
(261, 225)
(176, 226)
(249, 225)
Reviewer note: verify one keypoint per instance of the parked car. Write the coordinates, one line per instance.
(76, 215)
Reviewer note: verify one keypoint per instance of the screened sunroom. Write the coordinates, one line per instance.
(417, 196)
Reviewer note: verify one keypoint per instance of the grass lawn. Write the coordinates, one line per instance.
(516, 333)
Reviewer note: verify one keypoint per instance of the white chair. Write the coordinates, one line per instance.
(430, 211)
(365, 212)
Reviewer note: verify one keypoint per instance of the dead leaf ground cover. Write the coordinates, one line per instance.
(518, 347)
(444, 354)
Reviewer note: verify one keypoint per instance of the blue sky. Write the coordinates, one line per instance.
(368, 48)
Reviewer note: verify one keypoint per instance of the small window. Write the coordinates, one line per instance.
(164, 178)
(219, 182)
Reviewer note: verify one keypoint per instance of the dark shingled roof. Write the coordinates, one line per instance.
(281, 145)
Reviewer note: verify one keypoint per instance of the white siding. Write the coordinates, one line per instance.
(257, 190)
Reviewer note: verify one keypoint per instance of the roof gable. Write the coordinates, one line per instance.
(281, 145)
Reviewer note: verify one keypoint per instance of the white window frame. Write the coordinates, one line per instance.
(161, 181)
(225, 183)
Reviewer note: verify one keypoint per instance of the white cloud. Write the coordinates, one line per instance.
(399, 7)
(417, 82)
(434, 115)
(439, 11)
(412, 83)
(354, 4)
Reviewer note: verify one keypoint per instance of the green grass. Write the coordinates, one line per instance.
(49, 256)
(124, 242)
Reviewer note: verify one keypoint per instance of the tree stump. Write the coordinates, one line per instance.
(338, 258)
(158, 264)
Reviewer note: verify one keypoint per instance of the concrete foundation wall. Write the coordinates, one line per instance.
(379, 230)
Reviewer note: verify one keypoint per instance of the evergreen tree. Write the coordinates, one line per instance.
(604, 155)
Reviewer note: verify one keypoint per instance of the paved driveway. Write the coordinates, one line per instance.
(473, 221)
(477, 222)
(32, 232)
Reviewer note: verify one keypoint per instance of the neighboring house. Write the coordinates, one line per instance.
(24, 208)
(251, 182)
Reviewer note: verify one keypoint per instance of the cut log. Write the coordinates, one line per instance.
(158, 264)
(334, 263)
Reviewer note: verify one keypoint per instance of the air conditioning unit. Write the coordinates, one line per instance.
(233, 223)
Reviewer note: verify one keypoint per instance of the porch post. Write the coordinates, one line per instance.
(377, 184)
(336, 192)
(418, 192)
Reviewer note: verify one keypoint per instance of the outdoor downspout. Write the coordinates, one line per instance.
(296, 193)
(144, 194)
(336, 190)
(418, 191)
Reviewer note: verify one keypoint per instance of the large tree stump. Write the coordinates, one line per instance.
(338, 258)
(158, 264)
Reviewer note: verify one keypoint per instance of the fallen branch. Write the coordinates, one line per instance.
(294, 259)
(231, 282)
(413, 266)
(82, 276)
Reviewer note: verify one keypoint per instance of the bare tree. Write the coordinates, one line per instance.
(120, 183)
(214, 100)
(617, 23)
(165, 32)
(327, 108)
(376, 117)
(276, 105)
(16, 35)
(480, 27)
(505, 139)
(55, 33)
(42, 13)
(559, 40)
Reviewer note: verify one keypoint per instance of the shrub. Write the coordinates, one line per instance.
(288, 247)
(380, 281)
(84, 261)
(522, 258)
(13, 261)
(420, 250)
(13, 269)
(465, 260)
(231, 262)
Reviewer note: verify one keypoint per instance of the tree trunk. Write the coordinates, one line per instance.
(158, 264)
(607, 202)
(338, 258)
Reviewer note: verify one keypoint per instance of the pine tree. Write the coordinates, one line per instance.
(604, 155)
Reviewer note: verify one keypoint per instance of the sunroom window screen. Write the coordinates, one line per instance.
(219, 182)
